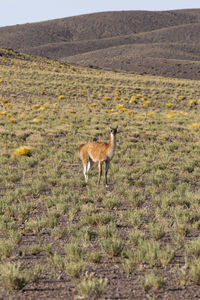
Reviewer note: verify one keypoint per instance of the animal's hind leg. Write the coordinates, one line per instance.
(85, 171)
(88, 165)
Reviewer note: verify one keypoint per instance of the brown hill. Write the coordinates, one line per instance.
(162, 43)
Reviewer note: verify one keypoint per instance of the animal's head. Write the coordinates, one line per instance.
(113, 130)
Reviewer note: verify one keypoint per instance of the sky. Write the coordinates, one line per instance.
(14, 12)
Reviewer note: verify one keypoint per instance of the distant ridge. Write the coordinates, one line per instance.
(163, 43)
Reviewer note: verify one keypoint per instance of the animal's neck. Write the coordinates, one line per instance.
(112, 141)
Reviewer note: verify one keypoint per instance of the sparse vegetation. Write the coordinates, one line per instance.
(83, 239)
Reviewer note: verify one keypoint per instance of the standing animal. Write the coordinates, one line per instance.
(98, 152)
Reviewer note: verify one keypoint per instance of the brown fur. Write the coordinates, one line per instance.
(98, 152)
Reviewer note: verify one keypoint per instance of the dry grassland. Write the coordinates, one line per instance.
(60, 238)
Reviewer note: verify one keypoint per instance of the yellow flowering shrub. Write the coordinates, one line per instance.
(130, 112)
(122, 109)
(116, 98)
(3, 113)
(71, 111)
(12, 120)
(147, 103)
(144, 98)
(137, 117)
(119, 106)
(23, 115)
(36, 120)
(181, 97)
(172, 114)
(93, 104)
(106, 98)
(194, 126)
(117, 92)
(192, 103)
(151, 114)
(42, 108)
(83, 91)
(61, 97)
(63, 119)
(169, 105)
(8, 105)
(23, 150)
(35, 106)
(133, 99)
(183, 113)
(169, 116)
(111, 111)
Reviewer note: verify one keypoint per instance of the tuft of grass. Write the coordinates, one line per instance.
(166, 255)
(111, 203)
(74, 252)
(6, 248)
(57, 261)
(151, 252)
(194, 248)
(107, 231)
(14, 278)
(182, 274)
(58, 233)
(112, 246)
(157, 231)
(152, 281)
(92, 287)
(87, 234)
(195, 271)
(74, 268)
(129, 265)
(34, 249)
(136, 237)
(97, 219)
(94, 257)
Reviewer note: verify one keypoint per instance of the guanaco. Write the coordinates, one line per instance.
(98, 152)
